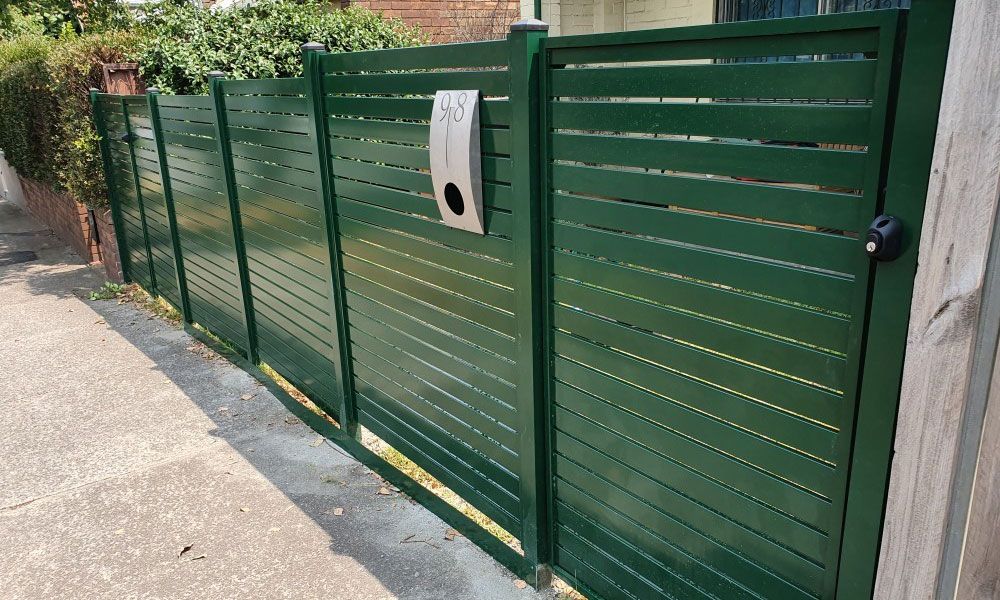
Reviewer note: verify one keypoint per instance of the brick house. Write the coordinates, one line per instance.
(451, 20)
(569, 17)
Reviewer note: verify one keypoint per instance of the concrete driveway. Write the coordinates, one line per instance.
(130, 467)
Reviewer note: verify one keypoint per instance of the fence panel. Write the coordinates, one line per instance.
(154, 203)
(284, 232)
(204, 223)
(430, 309)
(121, 182)
(708, 300)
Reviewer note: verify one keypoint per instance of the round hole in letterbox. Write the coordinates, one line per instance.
(453, 197)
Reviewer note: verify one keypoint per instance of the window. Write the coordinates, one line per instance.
(753, 10)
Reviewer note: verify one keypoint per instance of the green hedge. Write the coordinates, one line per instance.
(257, 41)
(46, 129)
(46, 126)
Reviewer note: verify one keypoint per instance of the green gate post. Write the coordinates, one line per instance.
(215, 92)
(138, 198)
(116, 217)
(312, 52)
(526, 191)
(152, 97)
(928, 34)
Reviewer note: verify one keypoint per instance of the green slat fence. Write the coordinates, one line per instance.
(648, 369)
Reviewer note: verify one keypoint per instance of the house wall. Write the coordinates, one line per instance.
(450, 20)
(571, 17)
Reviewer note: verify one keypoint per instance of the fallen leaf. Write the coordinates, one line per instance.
(338, 511)
(223, 408)
(199, 557)
(384, 491)
(451, 534)
(520, 584)
(291, 420)
(185, 550)
(317, 441)
(244, 509)
(246, 396)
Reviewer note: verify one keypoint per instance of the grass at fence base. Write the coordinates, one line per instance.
(398, 460)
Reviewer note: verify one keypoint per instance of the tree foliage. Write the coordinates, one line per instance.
(58, 18)
(254, 41)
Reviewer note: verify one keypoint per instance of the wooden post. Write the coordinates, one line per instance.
(122, 78)
(942, 404)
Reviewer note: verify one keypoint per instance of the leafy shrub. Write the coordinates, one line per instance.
(57, 18)
(46, 127)
(74, 68)
(26, 107)
(255, 41)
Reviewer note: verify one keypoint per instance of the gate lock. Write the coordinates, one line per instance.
(884, 239)
(126, 138)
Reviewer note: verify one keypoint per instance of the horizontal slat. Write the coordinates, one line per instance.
(432, 315)
(784, 320)
(491, 246)
(382, 417)
(489, 83)
(803, 362)
(439, 276)
(202, 102)
(467, 54)
(704, 522)
(809, 288)
(287, 86)
(709, 558)
(787, 244)
(795, 398)
(278, 156)
(268, 104)
(275, 139)
(457, 379)
(491, 112)
(492, 141)
(773, 203)
(287, 175)
(853, 79)
(483, 268)
(844, 124)
(837, 168)
(844, 33)
(470, 310)
(287, 123)
(444, 341)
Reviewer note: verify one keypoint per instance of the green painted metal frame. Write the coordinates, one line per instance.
(919, 98)
(152, 97)
(318, 135)
(920, 77)
(138, 193)
(526, 190)
(113, 199)
(218, 97)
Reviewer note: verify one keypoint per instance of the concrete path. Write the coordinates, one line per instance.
(121, 445)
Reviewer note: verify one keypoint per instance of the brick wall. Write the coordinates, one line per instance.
(63, 215)
(108, 245)
(450, 20)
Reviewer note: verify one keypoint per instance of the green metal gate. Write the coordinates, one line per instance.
(655, 369)
(708, 299)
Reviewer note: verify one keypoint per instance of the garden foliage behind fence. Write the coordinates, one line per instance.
(649, 369)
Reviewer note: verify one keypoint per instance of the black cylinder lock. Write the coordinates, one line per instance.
(126, 138)
(885, 238)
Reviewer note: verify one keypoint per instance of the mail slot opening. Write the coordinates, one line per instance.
(453, 196)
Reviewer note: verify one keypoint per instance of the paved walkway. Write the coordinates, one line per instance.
(121, 446)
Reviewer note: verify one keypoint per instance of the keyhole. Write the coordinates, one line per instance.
(453, 197)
